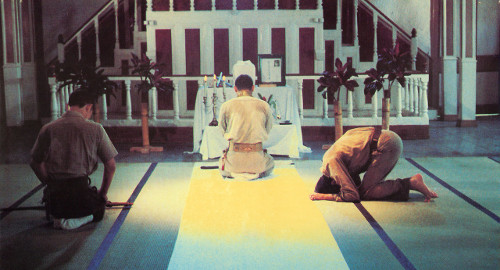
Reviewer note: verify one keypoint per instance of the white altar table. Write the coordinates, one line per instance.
(286, 107)
(283, 140)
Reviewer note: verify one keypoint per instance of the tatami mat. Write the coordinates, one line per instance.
(263, 224)
(188, 218)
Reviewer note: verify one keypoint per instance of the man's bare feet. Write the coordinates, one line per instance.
(320, 196)
(417, 183)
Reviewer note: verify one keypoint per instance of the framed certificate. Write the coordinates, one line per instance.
(271, 69)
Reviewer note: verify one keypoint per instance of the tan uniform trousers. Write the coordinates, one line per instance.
(259, 162)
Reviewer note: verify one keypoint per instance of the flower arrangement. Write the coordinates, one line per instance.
(272, 103)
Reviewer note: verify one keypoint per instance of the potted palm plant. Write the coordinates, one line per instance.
(151, 76)
(392, 63)
(87, 78)
(330, 85)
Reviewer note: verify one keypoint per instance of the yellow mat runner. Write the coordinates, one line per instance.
(261, 224)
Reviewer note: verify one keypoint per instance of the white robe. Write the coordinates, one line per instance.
(246, 119)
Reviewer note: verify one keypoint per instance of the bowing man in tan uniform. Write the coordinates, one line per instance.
(246, 122)
(374, 152)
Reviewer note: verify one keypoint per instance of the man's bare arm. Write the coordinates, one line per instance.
(40, 171)
(109, 172)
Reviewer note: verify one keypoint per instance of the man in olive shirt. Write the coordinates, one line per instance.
(65, 153)
(369, 150)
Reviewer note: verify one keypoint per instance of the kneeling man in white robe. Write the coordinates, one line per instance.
(246, 122)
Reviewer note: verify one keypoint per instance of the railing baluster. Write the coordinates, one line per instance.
(355, 28)
(176, 99)
(79, 44)
(66, 95)
(325, 107)
(62, 107)
(410, 94)
(104, 107)
(117, 32)
(255, 4)
(399, 103)
(301, 98)
(60, 50)
(424, 101)
(97, 49)
(276, 4)
(406, 93)
(235, 3)
(136, 22)
(171, 5)
(128, 100)
(349, 104)
(153, 104)
(53, 101)
(415, 95)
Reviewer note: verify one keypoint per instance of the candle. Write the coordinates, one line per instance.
(205, 90)
(224, 87)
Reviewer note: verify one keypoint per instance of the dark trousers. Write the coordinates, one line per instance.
(73, 198)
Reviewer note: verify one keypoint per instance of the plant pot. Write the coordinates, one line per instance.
(337, 109)
(144, 124)
(146, 148)
(386, 110)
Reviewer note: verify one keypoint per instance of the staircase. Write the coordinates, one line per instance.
(375, 31)
(354, 32)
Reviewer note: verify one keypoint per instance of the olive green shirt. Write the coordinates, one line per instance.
(71, 145)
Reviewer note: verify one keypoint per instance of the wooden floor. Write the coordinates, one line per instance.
(458, 230)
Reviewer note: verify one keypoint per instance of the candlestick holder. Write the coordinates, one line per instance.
(214, 99)
(276, 108)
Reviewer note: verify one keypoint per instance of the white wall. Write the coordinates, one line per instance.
(488, 27)
(409, 14)
(416, 14)
(64, 17)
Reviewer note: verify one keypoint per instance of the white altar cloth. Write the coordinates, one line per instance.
(283, 140)
(286, 107)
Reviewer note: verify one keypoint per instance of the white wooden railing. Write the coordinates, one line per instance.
(409, 104)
